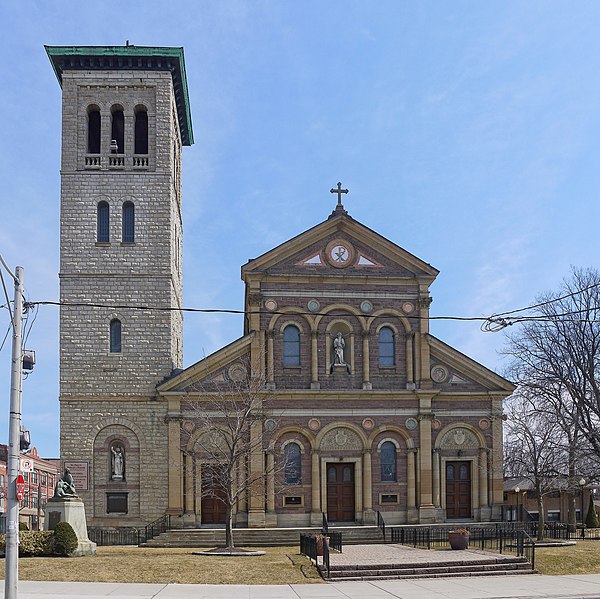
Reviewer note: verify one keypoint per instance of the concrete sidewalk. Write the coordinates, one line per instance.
(484, 587)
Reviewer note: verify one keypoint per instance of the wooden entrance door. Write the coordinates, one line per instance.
(212, 502)
(340, 493)
(458, 490)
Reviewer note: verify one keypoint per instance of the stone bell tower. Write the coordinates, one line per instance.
(126, 116)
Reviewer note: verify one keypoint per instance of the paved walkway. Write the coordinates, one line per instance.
(401, 554)
(492, 587)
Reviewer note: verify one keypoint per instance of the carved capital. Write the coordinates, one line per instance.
(314, 334)
(425, 302)
(426, 417)
(270, 334)
(366, 334)
(254, 299)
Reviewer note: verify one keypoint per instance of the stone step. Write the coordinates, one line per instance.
(445, 564)
(445, 575)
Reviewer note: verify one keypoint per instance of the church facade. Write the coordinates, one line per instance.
(367, 411)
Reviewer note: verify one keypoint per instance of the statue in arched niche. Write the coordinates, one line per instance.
(339, 360)
(117, 462)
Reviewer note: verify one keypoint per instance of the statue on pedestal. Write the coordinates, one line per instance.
(118, 463)
(65, 487)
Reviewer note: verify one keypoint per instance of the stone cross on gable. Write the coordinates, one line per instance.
(339, 192)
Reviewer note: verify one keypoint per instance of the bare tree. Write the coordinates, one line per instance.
(556, 360)
(534, 450)
(229, 440)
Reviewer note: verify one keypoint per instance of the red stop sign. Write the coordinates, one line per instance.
(20, 487)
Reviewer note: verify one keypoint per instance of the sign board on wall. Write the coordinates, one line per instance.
(26, 465)
(80, 472)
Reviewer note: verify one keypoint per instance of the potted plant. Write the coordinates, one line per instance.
(459, 538)
(321, 540)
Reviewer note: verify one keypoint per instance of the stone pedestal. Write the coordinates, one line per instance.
(73, 512)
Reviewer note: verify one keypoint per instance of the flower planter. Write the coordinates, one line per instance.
(458, 540)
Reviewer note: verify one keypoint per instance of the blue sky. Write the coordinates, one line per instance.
(467, 132)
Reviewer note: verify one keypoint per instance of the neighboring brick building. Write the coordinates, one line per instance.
(39, 487)
(376, 414)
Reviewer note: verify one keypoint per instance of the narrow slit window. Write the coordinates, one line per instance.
(103, 222)
(118, 129)
(93, 140)
(141, 131)
(291, 346)
(388, 462)
(293, 464)
(386, 347)
(115, 336)
(128, 223)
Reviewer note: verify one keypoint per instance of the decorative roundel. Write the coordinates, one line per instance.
(339, 253)
(271, 305)
(366, 307)
(314, 305)
(368, 423)
(484, 424)
(408, 307)
(188, 426)
(436, 425)
(411, 424)
(314, 424)
(237, 372)
(439, 374)
(270, 425)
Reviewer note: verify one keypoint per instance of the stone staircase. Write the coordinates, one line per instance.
(500, 566)
(259, 537)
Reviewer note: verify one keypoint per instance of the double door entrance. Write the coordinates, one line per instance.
(340, 493)
(212, 504)
(458, 490)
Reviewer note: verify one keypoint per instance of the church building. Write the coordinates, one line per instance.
(367, 411)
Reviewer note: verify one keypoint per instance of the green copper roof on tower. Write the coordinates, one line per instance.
(130, 58)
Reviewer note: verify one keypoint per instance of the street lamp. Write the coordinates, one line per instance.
(517, 491)
(581, 485)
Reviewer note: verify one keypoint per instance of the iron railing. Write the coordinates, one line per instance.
(325, 527)
(114, 536)
(309, 546)
(381, 524)
(155, 528)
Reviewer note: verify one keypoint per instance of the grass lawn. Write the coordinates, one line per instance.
(583, 558)
(280, 565)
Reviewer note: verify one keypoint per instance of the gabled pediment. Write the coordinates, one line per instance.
(340, 246)
(225, 365)
(457, 372)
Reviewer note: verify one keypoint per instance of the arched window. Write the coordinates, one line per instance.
(291, 346)
(388, 462)
(386, 347)
(103, 223)
(118, 129)
(293, 464)
(128, 222)
(141, 130)
(93, 140)
(115, 336)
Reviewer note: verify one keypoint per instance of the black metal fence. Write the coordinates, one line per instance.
(314, 545)
(495, 538)
(381, 524)
(129, 536)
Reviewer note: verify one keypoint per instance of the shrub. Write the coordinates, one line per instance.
(591, 520)
(23, 526)
(32, 544)
(65, 539)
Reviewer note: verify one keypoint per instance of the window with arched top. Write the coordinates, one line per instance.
(386, 347)
(115, 336)
(118, 129)
(103, 222)
(293, 464)
(93, 132)
(141, 130)
(128, 224)
(291, 346)
(388, 462)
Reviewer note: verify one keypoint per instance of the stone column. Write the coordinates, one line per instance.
(270, 481)
(424, 303)
(410, 375)
(411, 496)
(426, 509)
(483, 477)
(256, 495)
(497, 490)
(367, 482)
(366, 358)
(175, 478)
(189, 484)
(314, 360)
(315, 481)
(436, 478)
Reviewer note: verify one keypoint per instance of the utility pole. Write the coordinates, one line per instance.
(11, 580)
